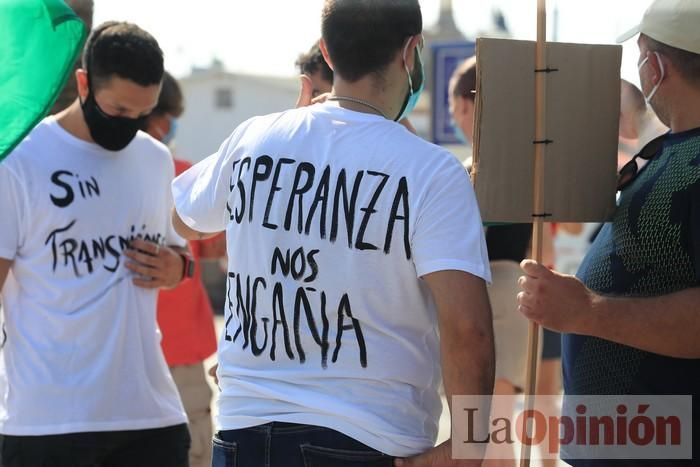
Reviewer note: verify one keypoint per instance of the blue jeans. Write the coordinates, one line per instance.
(291, 445)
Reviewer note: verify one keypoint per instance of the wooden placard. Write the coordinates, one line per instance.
(582, 119)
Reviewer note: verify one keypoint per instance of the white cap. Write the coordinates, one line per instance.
(675, 23)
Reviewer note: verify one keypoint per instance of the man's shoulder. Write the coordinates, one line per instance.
(397, 138)
(433, 152)
(144, 142)
(151, 151)
(30, 150)
(430, 157)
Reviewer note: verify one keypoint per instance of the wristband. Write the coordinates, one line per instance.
(188, 265)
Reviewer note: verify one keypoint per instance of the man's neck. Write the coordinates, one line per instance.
(367, 90)
(684, 112)
(71, 119)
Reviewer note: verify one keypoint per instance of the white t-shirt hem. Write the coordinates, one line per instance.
(476, 269)
(380, 441)
(67, 428)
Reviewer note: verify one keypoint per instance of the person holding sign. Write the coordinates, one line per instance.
(84, 245)
(357, 264)
(631, 316)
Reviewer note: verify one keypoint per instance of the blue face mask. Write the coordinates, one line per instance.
(415, 87)
(170, 135)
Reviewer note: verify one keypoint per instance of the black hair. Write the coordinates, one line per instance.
(364, 36)
(464, 79)
(170, 100)
(125, 50)
(313, 61)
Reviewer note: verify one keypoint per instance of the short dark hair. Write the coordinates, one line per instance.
(464, 79)
(313, 61)
(687, 63)
(170, 100)
(363, 36)
(125, 50)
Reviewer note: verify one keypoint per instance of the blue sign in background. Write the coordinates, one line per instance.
(446, 58)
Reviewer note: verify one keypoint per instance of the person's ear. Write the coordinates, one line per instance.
(81, 80)
(324, 52)
(409, 52)
(654, 63)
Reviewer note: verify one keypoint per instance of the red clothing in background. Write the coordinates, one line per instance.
(185, 314)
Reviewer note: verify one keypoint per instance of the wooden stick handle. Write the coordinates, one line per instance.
(533, 354)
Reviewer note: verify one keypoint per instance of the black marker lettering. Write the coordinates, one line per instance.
(273, 189)
(258, 176)
(348, 205)
(343, 310)
(322, 199)
(257, 350)
(360, 244)
(400, 199)
(69, 196)
(298, 191)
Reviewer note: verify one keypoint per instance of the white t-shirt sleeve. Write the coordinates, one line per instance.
(201, 192)
(448, 232)
(11, 208)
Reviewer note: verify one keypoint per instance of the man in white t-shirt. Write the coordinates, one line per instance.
(357, 264)
(85, 244)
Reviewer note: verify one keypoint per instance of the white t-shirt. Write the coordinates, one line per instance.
(82, 350)
(332, 216)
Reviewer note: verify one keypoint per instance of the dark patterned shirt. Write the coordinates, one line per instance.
(651, 248)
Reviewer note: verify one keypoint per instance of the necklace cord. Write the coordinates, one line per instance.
(358, 101)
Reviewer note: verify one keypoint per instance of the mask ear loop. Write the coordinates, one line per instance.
(657, 85)
(661, 65)
(405, 66)
(410, 80)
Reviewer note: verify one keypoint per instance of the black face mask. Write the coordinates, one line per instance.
(112, 133)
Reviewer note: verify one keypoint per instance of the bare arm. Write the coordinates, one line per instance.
(214, 248)
(5, 265)
(466, 348)
(466, 332)
(666, 325)
(186, 232)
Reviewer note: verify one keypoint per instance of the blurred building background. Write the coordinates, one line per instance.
(217, 101)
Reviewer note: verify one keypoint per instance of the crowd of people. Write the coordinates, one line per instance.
(362, 287)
